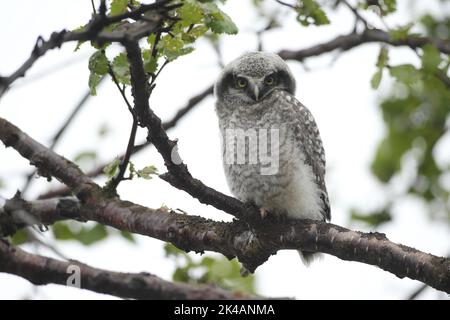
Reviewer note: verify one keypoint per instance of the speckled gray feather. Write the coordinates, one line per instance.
(297, 188)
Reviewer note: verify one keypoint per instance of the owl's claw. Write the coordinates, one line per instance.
(263, 212)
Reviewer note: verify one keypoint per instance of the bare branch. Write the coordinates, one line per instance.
(131, 140)
(47, 162)
(235, 239)
(94, 31)
(347, 42)
(41, 270)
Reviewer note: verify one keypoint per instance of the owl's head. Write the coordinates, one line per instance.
(252, 77)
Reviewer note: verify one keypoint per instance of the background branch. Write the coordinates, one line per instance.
(41, 270)
(94, 31)
(347, 42)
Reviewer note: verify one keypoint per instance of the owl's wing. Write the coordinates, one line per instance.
(308, 138)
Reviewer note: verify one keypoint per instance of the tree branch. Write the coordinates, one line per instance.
(169, 124)
(131, 140)
(41, 270)
(48, 162)
(251, 246)
(94, 31)
(347, 42)
(178, 174)
(235, 239)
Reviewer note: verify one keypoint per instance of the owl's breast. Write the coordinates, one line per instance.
(263, 161)
(258, 156)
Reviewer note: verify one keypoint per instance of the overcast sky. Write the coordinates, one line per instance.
(336, 88)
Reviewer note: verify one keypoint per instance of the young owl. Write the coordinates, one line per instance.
(272, 151)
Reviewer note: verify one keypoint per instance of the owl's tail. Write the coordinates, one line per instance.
(309, 257)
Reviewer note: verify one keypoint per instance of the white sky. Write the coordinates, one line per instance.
(338, 94)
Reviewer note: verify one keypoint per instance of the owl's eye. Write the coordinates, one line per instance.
(269, 80)
(241, 83)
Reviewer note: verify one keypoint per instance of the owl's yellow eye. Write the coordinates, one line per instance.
(269, 80)
(241, 83)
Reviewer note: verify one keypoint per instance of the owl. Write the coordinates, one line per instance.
(272, 151)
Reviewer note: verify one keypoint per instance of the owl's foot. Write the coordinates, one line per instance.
(263, 212)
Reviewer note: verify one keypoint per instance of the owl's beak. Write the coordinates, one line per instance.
(254, 90)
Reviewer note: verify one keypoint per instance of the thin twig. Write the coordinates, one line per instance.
(121, 90)
(287, 4)
(93, 7)
(126, 159)
(130, 146)
(157, 73)
(358, 16)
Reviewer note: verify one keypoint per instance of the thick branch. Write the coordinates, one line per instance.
(47, 162)
(235, 239)
(42, 270)
(232, 239)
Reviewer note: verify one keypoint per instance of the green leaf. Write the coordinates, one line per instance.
(383, 57)
(374, 219)
(217, 20)
(20, 237)
(382, 60)
(90, 236)
(310, 12)
(79, 43)
(121, 69)
(147, 172)
(61, 231)
(194, 34)
(431, 57)
(85, 155)
(181, 275)
(172, 48)
(128, 236)
(401, 33)
(405, 73)
(172, 251)
(111, 169)
(150, 63)
(98, 63)
(385, 6)
(389, 6)
(118, 7)
(94, 80)
(190, 13)
(99, 66)
(85, 235)
(376, 79)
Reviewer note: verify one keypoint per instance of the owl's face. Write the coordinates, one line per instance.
(253, 77)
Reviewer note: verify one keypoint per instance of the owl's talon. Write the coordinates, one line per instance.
(263, 212)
